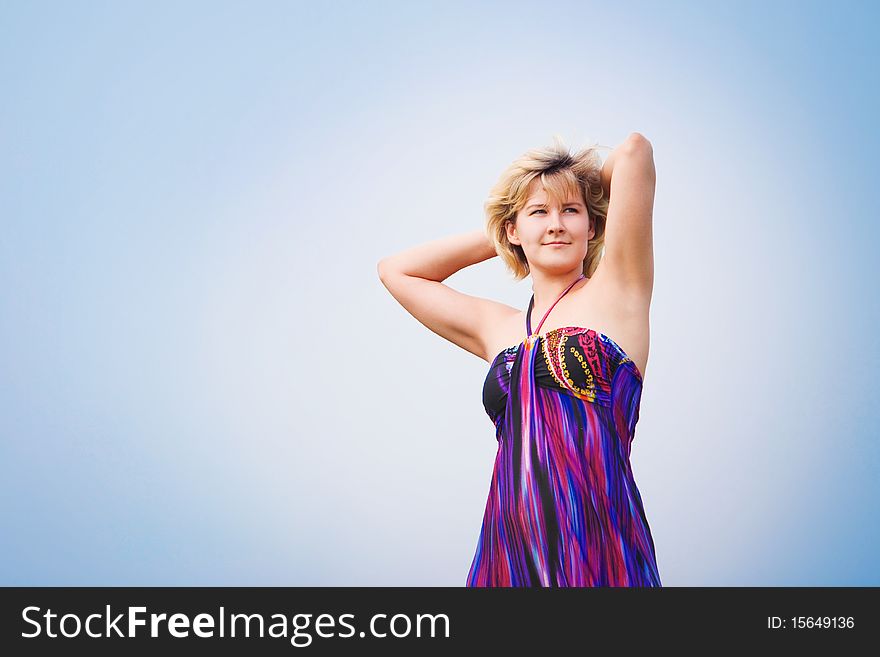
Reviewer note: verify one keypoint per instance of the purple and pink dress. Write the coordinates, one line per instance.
(563, 508)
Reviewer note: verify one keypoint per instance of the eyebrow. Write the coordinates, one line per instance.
(542, 205)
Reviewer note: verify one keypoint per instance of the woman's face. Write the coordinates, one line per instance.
(540, 223)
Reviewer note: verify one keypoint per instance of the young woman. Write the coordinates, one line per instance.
(565, 376)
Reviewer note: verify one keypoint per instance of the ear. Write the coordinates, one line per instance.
(511, 233)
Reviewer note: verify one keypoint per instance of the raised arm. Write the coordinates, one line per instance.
(414, 278)
(629, 179)
(440, 259)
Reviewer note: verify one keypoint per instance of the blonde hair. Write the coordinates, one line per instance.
(562, 175)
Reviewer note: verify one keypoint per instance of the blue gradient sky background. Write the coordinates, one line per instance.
(205, 383)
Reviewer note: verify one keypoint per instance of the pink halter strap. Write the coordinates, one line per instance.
(532, 305)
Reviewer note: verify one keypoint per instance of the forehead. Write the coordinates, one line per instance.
(538, 194)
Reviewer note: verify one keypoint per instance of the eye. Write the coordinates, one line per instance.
(573, 209)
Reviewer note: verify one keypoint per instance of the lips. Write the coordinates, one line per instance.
(550, 243)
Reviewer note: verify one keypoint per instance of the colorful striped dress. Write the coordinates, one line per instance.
(563, 508)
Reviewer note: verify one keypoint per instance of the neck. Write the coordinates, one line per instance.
(548, 287)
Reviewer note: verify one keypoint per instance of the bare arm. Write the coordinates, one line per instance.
(440, 259)
(414, 278)
(608, 166)
(629, 252)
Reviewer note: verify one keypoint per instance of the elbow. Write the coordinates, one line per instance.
(383, 268)
(637, 141)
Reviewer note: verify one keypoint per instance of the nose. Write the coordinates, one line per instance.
(555, 222)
